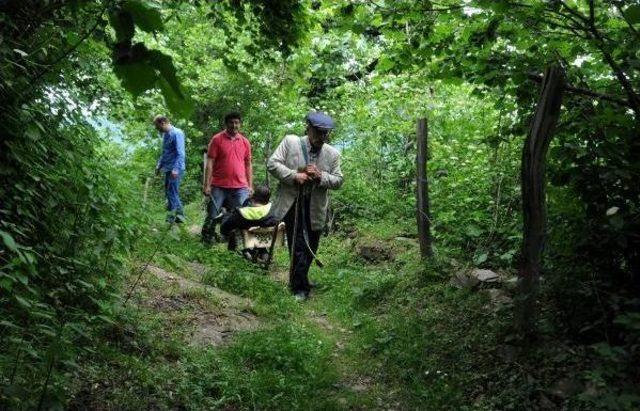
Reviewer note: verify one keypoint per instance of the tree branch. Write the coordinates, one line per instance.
(73, 48)
(632, 96)
(586, 92)
(575, 13)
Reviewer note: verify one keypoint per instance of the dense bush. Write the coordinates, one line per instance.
(68, 217)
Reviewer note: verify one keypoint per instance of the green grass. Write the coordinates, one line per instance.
(373, 336)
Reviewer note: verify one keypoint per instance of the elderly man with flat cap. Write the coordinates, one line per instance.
(307, 168)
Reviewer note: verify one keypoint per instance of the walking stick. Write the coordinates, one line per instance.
(295, 233)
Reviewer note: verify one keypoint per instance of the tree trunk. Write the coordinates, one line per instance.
(422, 191)
(533, 197)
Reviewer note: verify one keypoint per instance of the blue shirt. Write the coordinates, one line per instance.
(173, 153)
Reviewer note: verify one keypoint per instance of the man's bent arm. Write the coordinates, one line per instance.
(332, 179)
(277, 164)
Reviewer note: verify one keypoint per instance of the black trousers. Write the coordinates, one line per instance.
(302, 258)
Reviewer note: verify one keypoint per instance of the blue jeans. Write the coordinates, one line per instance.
(171, 189)
(230, 198)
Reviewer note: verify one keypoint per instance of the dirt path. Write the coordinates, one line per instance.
(215, 314)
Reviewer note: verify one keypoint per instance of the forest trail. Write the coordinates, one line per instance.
(194, 294)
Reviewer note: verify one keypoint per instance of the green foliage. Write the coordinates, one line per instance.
(71, 206)
(66, 221)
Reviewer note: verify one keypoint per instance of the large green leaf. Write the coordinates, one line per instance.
(145, 15)
(164, 64)
(136, 77)
(178, 104)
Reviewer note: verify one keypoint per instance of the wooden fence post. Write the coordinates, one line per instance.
(422, 191)
(533, 197)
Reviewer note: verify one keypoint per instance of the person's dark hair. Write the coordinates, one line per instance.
(262, 194)
(231, 116)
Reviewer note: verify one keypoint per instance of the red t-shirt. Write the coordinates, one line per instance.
(230, 156)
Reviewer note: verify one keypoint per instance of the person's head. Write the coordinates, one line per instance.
(261, 194)
(161, 123)
(232, 122)
(319, 126)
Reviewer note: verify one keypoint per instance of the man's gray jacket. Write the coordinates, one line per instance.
(285, 162)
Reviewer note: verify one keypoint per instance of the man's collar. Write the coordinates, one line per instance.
(310, 146)
(230, 137)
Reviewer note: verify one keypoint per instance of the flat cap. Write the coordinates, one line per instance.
(318, 119)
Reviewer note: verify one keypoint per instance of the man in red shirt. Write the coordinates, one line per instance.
(229, 177)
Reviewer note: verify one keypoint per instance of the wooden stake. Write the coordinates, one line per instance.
(422, 191)
(533, 197)
(146, 190)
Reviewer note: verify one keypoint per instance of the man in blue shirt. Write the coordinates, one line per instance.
(172, 164)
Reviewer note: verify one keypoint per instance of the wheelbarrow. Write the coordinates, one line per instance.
(257, 244)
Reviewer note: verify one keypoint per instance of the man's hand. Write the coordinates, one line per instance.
(313, 172)
(250, 190)
(206, 190)
(174, 174)
(301, 178)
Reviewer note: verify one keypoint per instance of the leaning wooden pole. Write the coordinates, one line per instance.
(533, 197)
(422, 191)
(267, 154)
(205, 157)
(146, 190)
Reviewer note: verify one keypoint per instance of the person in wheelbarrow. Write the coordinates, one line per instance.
(255, 212)
(306, 168)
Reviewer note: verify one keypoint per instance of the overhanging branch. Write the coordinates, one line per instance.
(586, 92)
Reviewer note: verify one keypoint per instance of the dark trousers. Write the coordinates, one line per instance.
(302, 258)
(172, 192)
